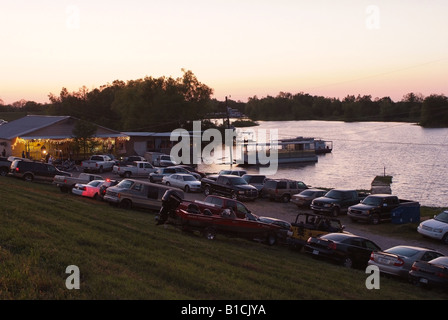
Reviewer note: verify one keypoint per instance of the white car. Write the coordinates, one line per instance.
(89, 190)
(184, 181)
(436, 228)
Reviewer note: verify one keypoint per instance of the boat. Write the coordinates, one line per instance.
(291, 150)
(190, 217)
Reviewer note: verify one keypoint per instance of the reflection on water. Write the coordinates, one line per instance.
(417, 158)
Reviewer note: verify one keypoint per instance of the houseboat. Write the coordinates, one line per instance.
(295, 150)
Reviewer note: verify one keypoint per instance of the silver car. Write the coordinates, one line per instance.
(398, 260)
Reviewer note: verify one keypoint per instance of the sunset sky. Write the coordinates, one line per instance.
(239, 48)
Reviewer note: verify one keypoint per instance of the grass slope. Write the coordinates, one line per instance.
(124, 255)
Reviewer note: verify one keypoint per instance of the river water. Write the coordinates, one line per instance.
(416, 158)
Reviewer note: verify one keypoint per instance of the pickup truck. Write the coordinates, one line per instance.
(217, 204)
(137, 169)
(4, 166)
(379, 207)
(231, 186)
(336, 201)
(66, 184)
(98, 163)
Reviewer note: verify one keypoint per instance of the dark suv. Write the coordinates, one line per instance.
(33, 170)
(282, 189)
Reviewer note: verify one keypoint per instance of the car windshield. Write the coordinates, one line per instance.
(189, 178)
(402, 251)
(307, 193)
(372, 201)
(238, 181)
(125, 184)
(440, 261)
(442, 217)
(95, 183)
(334, 194)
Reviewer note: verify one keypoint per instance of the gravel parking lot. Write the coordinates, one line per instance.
(288, 212)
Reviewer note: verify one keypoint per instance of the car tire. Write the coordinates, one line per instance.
(285, 198)
(271, 239)
(3, 172)
(375, 219)
(187, 189)
(210, 233)
(347, 262)
(126, 204)
(28, 177)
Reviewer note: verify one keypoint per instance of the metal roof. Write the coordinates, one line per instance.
(27, 124)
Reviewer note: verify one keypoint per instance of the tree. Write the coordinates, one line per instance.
(83, 132)
(435, 111)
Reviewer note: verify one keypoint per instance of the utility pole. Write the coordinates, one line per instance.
(228, 127)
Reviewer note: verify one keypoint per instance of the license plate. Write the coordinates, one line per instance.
(316, 252)
(423, 280)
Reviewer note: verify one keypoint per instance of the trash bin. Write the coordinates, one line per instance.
(406, 213)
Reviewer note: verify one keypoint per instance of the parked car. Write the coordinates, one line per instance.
(89, 190)
(344, 248)
(436, 228)
(103, 188)
(380, 207)
(66, 184)
(308, 225)
(5, 164)
(336, 201)
(34, 170)
(158, 175)
(164, 160)
(231, 186)
(398, 260)
(257, 180)
(131, 193)
(286, 230)
(98, 163)
(304, 198)
(282, 189)
(184, 181)
(433, 273)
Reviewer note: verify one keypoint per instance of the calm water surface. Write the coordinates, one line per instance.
(417, 158)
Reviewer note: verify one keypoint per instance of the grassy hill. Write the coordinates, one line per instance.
(124, 255)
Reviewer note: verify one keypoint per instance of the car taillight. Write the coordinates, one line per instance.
(17, 169)
(372, 256)
(415, 268)
(332, 245)
(399, 262)
(442, 275)
(309, 240)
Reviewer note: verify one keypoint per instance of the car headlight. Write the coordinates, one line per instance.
(241, 192)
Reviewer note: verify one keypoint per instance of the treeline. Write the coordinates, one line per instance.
(164, 104)
(431, 111)
(148, 104)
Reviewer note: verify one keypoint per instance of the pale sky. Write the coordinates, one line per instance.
(238, 48)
